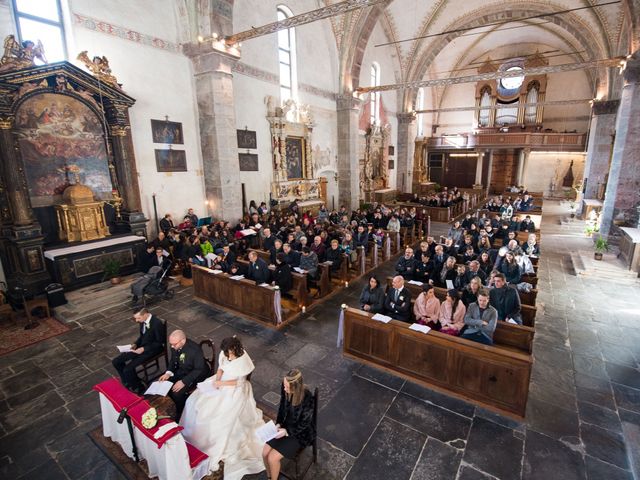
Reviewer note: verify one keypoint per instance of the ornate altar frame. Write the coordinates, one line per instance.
(288, 123)
(21, 238)
(374, 164)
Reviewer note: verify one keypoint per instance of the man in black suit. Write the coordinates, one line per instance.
(505, 299)
(225, 259)
(397, 301)
(291, 257)
(362, 238)
(268, 240)
(150, 343)
(187, 368)
(258, 269)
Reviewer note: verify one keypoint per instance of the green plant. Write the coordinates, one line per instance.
(590, 229)
(365, 206)
(111, 268)
(601, 245)
(437, 187)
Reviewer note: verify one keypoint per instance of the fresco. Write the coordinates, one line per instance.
(61, 139)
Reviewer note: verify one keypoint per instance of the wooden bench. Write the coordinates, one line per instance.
(299, 288)
(494, 377)
(240, 296)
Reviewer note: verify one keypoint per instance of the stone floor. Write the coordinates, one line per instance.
(582, 422)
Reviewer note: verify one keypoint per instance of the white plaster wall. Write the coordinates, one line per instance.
(386, 58)
(162, 84)
(317, 68)
(7, 24)
(546, 169)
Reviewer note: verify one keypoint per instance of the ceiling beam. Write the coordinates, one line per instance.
(510, 105)
(302, 19)
(566, 67)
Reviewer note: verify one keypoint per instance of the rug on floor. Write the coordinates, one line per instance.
(13, 336)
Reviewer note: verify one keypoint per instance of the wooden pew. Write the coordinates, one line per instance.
(241, 296)
(299, 288)
(492, 376)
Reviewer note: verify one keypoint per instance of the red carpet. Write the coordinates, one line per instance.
(13, 336)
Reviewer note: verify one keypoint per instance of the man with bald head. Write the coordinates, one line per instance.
(397, 302)
(186, 368)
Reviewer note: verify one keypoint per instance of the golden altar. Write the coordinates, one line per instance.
(80, 217)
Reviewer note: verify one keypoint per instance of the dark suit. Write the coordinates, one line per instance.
(506, 301)
(153, 340)
(398, 308)
(259, 271)
(226, 261)
(186, 364)
(406, 267)
(267, 242)
(166, 224)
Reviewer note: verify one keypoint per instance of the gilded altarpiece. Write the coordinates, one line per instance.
(291, 127)
(374, 162)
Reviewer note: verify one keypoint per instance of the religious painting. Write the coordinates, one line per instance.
(246, 139)
(169, 160)
(61, 142)
(164, 131)
(392, 164)
(392, 151)
(34, 259)
(294, 149)
(248, 162)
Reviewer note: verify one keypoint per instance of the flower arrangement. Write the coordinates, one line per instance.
(182, 357)
(150, 418)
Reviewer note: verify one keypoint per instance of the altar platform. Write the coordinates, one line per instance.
(80, 264)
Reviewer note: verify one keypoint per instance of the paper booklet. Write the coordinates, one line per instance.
(237, 277)
(216, 271)
(415, 282)
(247, 231)
(449, 284)
(298, 269)
(123, 348)
(419, 328)
(267, 432)
(159, 388)
(165, 253)
(208, 388)
(381, 318)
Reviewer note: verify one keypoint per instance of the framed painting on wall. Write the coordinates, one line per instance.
(164, 131)
(168, 160)
(392, 164)
(248, 162)
(246, 139)
(294, 148)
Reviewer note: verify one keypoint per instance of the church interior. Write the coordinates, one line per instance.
(293, 186)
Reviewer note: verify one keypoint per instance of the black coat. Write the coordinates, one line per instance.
(166, 225)
(334, 256)
(298, 418)
(374, 298)
(283, 278)
(406, 268)
(259, 272)
(226, 261)
(188, 365)
(400, 310)
(154, 338)
(506, 301)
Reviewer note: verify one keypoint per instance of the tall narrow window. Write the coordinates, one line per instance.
(42, 20)
(287, 58)
(420, 116)
(375, 96)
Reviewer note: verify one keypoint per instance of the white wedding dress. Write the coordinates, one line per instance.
(223, 423)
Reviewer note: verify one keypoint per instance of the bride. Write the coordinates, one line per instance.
(221, 417)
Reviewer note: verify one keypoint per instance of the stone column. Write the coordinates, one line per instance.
(406, 147)
(348, 109)
(12, 174)
(519, 169)
(623, 195)
(478, 181)
(601, 135)
(216, 112)
(522, 168)
(488, 186)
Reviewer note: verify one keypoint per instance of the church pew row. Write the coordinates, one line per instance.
(244, 297)
(495, 377)
(527, 310)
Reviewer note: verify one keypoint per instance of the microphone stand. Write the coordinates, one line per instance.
(124, 415)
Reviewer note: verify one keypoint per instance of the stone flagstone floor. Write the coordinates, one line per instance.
(582, 422)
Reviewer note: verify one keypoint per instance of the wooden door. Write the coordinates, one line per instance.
(460, 172)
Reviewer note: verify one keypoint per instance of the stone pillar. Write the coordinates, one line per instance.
(348, 109)
(406, 147)
(216, 112)
(12, 174)
(489, 168)
(478, 181)
(601, 135)
(522, 167)
(519, 169)
(623, 195)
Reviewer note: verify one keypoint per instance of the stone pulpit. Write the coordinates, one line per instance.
(80, 217)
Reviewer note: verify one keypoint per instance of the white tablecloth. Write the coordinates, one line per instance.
(56, 252)
(169, 462)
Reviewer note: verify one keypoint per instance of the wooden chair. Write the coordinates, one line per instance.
(211, 360)
(153, 363)
(30, 305)
(314, 445)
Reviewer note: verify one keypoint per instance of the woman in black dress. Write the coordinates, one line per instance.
(372, 296)
(295, 423)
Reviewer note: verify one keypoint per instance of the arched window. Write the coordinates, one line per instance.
(420, 116)
(485, 101)
(375, 96)
(42, 21)
(531, 111)
(287, 58)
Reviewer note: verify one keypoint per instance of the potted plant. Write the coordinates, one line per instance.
(112, 270)
(601, 245)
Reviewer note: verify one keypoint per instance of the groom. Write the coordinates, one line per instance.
(187, 367)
